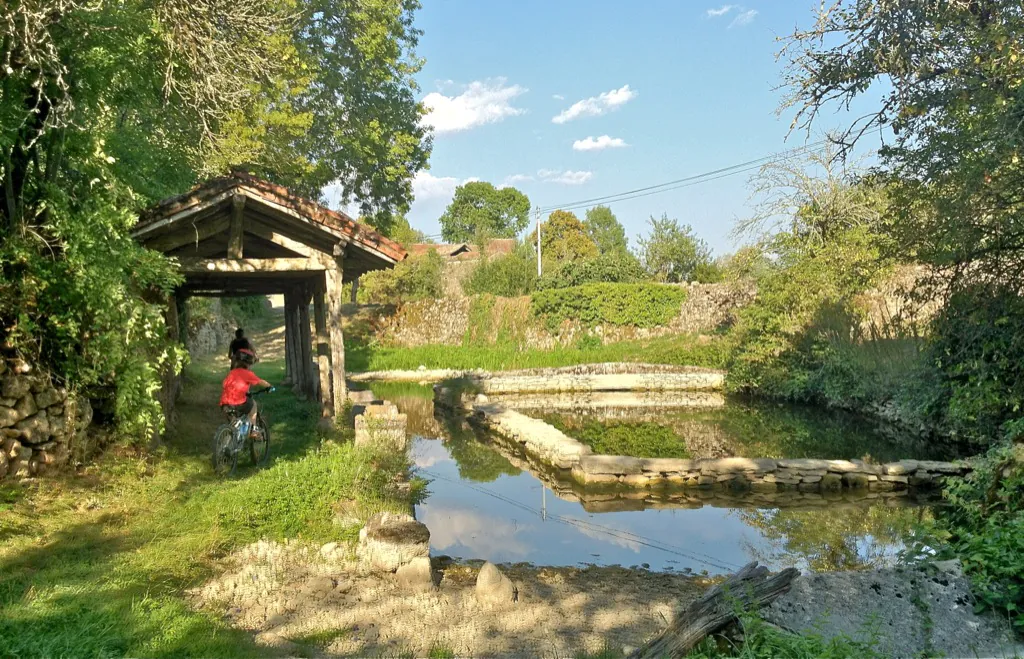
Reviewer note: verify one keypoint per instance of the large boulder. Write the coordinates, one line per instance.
(494, 587)
(391, 540)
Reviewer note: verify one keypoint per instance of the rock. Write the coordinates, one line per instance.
(318, 586)
(3, 465)
(416, 574)
(389, 541)
(8, 416)
(665, 465)
(48, 397)
(831, 482)
(3, 366)
(365, 397)
(35, 429)
(58, 424)
(26, 407)
(39, 383)
(329, 550)
(901, 468)
(494, 587)
(15, 386)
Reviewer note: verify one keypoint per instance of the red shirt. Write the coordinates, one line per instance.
(236, 386)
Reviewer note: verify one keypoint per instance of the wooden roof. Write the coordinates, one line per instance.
(220, 221)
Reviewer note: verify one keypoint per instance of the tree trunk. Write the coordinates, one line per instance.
(747, 590)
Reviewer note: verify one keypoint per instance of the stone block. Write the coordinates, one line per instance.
(26, 406)
(666, 465)
(901, 468)
(811, 479)
(34, 430)
(636, 480)
(808, 487)
(831, 482)
(416, 574)
(705, 481)
(902, 480)
(940, 467)
(494, 587)
(735, 465)
(856, 481)
(610, 464)
(8, 416)
(803, 465)
(391, 540)
(15, 386)
(49, 397)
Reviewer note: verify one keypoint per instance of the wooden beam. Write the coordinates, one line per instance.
(290, 374)
(279, 239)
(334, 304)
(196, 265)
(180, 215)
(235, 240)
(323, 348)
(191, 233)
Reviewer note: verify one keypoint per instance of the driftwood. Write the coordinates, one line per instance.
(748, 589)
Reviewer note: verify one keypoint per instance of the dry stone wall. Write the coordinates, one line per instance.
(39, 422)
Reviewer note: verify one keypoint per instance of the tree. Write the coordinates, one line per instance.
(605, 230)
(478, 210)
(949, 75)
(563, 238)
(672, 253)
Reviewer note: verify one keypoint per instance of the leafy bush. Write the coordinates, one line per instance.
(510, 275)
(246, 309)
(615, 267)
(977, 349)
(983, 524)
(639, 305)
(416, 278)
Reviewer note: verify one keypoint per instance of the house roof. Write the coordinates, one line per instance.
(195, 205)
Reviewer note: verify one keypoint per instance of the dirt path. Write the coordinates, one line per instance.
(295, 599)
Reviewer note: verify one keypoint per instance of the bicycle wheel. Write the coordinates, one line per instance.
(259, 442)
(225, 458)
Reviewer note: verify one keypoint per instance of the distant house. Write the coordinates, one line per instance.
(463, 251)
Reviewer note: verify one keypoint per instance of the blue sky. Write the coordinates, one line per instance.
(576, 99)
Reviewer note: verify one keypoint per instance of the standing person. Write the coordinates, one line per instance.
(241, 342)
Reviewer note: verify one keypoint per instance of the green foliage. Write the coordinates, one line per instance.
(614, 267)
(605, 230)
(983, 525)
(764, 641)
(416, 278)
(672, 253)
(476, 461)
(641, 439)
(977, 352)
(563, 238)
(509, 275)
(639, 305)
(947, 79)
(245, 310)
(480, 211)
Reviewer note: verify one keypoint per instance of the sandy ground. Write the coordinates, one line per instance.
(308, 601)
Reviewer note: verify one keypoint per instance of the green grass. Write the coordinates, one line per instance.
(642, 439)
(98, 564)
(682, 350)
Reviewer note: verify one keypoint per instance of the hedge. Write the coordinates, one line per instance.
(607, 268)
(639, 305)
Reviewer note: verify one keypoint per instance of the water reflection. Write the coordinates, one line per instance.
(488, 503)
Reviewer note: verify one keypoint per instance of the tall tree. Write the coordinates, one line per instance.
(605, 230)
(480, 211)
(563, 238)
(671, 252)
(950, 77)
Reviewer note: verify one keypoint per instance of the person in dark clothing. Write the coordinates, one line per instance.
(240, 343)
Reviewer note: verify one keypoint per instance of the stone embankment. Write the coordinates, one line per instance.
(39, 422)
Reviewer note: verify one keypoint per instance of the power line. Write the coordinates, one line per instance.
(689, 180)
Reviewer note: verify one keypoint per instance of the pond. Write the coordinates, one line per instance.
(484, 503)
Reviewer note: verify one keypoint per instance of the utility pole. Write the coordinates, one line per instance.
(537, 213)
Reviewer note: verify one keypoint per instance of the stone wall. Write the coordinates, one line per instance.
(558, 451)
(40, 424)
(707, 308)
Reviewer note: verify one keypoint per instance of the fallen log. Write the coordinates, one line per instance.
(747, 590)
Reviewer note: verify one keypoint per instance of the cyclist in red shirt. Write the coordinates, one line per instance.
(234, 397)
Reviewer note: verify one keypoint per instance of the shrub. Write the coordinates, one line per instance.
(416, 278)
(246, 309)
(607, 268)
(639, 305)
(505, 276)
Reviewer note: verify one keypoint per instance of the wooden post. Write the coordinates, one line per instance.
(235, 231)
(290, 373)
(334, 316)
(308, 381)
(323, 348)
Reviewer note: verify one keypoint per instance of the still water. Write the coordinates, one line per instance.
(481, 505)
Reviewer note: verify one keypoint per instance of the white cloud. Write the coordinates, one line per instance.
(481, 102)
(596, 105)
(568, 177)
(558, 97)
(516, 178)
(598, 143)
(484, 535)
(721, 11)
(427, 186)
(744, 18)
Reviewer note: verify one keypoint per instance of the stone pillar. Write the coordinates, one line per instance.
(337, 340)
(323, 348)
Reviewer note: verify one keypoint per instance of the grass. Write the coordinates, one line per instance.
(99, 563)
(682, 350)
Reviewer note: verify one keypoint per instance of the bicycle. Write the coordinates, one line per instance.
(233, 437)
